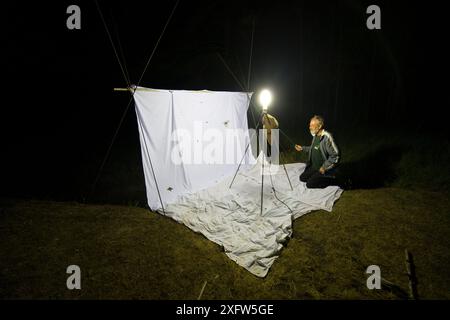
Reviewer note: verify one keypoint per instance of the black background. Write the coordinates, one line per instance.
(59, 111)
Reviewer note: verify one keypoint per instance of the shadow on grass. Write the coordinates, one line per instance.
(374, 170)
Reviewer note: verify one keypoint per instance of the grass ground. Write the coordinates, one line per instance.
(397, 198)
(127, 252)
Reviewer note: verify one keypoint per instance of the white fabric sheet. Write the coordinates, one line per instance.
(231, 217)
(163, 115)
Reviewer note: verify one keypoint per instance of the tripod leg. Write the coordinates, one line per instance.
(284, 167)
(246, 149)
(235, 174)
(262, 183)
(288, 177)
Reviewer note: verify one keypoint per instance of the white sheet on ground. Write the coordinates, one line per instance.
(231, 217)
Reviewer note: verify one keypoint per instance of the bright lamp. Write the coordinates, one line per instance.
(265, 98)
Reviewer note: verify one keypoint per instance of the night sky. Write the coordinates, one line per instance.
(59, 111)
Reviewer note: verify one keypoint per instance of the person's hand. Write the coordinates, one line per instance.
(298, 147)
(322, 170)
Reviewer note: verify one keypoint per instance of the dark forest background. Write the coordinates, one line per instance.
(59, 111)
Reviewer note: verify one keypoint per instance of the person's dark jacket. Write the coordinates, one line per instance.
(328, 149)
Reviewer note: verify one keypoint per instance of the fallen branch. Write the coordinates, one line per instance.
(410, 269)
(203, 288)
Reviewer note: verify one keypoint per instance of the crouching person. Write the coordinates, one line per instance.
(323, 157)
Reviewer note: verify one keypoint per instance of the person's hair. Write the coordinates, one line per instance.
(320, 120)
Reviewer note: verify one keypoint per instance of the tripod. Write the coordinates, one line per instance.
(264, 149)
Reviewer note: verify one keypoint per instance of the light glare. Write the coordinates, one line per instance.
(265, 98)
